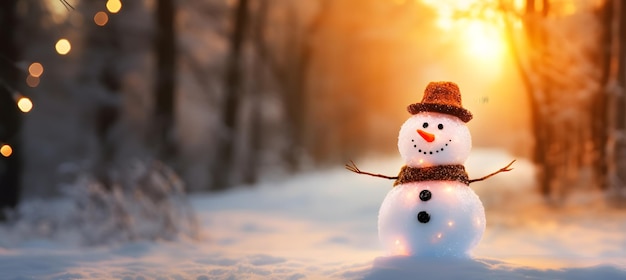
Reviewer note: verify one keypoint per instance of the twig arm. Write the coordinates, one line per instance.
(352, 167)
(503, 169)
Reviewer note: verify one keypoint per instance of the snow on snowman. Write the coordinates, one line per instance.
(431, 210)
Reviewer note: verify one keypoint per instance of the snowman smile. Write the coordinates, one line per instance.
(429, 152)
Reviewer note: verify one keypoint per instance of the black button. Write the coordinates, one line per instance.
(425, 195)
(423, 217)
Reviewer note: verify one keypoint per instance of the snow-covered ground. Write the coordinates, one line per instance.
(322, 225)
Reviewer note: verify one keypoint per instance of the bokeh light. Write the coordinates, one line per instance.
(6, 150)
(101, 18)
(32, 81)
(114, 6)
(35, 69)
(63, 46)
(24, 104)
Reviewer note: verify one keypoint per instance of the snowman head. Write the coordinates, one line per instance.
(436, 134)
(428, 139)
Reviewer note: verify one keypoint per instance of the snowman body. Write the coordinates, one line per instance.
(432, 217)
(453, 219)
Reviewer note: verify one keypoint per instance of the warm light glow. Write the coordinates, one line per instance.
(101, 18)
(482, 37)
(114, 6)
(35, 69)
(483, 41)
(231, 3)
(6, 150)
(569, 8)
(63, 46)
(439, 235)
(24, 104)
(445, 23)
(400, 248)
(32, 81)
(57, 11)
(450, 223)
(519, 5)
(410, 196)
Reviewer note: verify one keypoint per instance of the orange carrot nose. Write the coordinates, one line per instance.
(427, 136)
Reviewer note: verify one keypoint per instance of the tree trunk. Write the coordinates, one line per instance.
(567, 109)
(10, 116)
(294, 88)
(599, 127)
(102, 48)
(250, 162)
(616, 117)
(165, 47)
(233, 87)
(535, 86)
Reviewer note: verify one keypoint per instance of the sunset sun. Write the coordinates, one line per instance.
(480, 37)
(483, 41)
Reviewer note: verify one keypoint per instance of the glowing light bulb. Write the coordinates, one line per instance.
(6, 150)
(101, 18)
(35, 69)
(63, 46)
(24, 104)
(114, 6)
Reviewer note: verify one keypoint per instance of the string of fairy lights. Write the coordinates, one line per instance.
(36, 69)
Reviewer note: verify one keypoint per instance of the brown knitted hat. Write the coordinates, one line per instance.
(442, 97)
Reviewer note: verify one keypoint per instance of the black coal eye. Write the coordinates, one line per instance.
(425, 125)
(440, 126)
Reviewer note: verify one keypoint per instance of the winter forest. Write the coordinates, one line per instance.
(189, 139)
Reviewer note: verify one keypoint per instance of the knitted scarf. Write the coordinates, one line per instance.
(433, 173)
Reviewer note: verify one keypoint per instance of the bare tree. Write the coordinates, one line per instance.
(10, 118)
(233, 88)
(165, 47)
(613, 164)
(288, 53)
(562, 72)
(111, 54)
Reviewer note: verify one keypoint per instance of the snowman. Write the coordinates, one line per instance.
(431, 210)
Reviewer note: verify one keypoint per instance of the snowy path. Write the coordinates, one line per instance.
(323, 226)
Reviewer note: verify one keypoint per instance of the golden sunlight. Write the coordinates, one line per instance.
(63, 46)
(484, 41)
(6, 150)
(481, 36)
